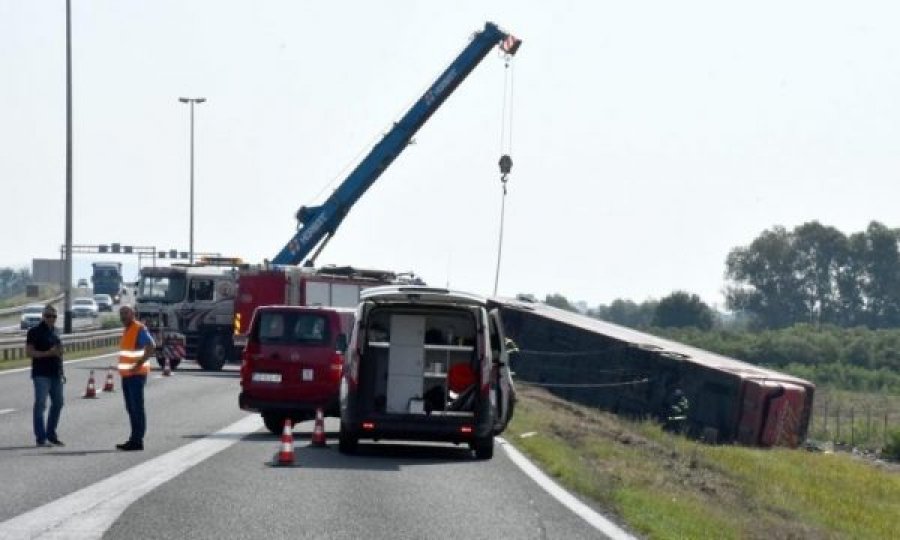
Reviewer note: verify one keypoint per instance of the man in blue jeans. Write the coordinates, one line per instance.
(43, 346)
(135, 350)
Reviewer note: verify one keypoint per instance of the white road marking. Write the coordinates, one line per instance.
(89, 512)
(568, 500)
(20, 370)
(6, 411)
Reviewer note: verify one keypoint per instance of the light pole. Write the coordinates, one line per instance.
(67, 271)
(192, 101)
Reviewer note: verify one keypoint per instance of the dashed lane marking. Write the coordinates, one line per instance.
(89, 512)
(6, 411)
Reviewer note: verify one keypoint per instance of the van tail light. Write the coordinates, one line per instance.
(466, 430)
(337, 367)
(251, 352)
(368, 426)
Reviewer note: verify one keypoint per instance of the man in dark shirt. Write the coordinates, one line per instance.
(45, 349)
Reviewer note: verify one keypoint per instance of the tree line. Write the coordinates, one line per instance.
(816, 274)
(13, 281)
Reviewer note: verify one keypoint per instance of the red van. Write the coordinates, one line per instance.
(292, 362)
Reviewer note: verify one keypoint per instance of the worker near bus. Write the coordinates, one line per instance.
(43, 346)
(135, 350)
(676, 412)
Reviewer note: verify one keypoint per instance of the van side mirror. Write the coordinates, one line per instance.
(341, 343)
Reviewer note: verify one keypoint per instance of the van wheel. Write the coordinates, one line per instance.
(483, 447)
(274, 423)
(213, 353)
(347, 443)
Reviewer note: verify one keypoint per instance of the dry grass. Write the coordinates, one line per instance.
(665, 486)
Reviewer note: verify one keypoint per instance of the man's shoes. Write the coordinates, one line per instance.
(55, 442)
(130, 446)
(44, 444)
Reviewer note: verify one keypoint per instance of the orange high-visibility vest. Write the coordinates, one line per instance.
(129, 353)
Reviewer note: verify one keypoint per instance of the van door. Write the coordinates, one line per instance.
(504, 391)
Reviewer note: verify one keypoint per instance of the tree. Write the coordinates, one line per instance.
(559, 301)
(681, 309)
(764, 280)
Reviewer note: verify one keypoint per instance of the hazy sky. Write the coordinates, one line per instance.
(649, 138)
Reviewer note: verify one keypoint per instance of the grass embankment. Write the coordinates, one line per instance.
(664, 486)
(21, 300)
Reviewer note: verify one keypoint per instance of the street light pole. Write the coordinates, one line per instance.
(192, 101)
(67, 272)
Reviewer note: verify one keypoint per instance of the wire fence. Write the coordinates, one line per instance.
(854, 426)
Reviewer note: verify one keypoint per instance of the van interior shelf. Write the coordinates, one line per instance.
(428, 347)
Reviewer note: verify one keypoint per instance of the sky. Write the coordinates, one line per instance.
(648, 138)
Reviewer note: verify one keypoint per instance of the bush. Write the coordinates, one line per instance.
(891, 449)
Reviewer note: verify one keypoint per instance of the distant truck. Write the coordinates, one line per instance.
(107, 279)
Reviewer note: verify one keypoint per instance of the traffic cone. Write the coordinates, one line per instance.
(91, 391)
(109, 385)
(285, 456)
(167, 371)
(318, 434)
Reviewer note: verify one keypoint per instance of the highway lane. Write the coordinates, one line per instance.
(390, 490)
(179, 409)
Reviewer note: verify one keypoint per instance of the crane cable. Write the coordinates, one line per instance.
(505, 151)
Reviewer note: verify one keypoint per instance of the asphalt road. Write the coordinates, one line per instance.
(389, 490)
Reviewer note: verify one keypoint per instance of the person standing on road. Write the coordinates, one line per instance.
(135, 350)
(43, 346)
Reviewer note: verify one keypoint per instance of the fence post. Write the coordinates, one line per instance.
(884, 433)
(852, 428)
(825, 420)
(837, 423)
(868, 423)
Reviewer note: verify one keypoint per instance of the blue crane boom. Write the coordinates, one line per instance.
(317, 224)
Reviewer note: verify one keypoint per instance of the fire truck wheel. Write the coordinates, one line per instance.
(274, 423)
(213, 353)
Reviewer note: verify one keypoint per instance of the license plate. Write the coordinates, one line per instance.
(267, 377)
(307, 375)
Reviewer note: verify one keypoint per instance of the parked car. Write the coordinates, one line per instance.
(292, 362)
(426, 364)
(82, 283)
(31, 315)
(85, 307)
(104, 302)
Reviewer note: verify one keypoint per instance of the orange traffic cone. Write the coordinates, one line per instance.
(167, 371)
(109, 386)
(318, 434)
(91, 391)
(285, 456)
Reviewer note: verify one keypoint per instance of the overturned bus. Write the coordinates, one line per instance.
(632, 373)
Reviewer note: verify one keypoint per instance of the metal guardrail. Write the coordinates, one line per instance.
(14, 348)
(18, 309)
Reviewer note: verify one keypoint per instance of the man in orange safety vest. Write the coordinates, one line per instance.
(135, 350)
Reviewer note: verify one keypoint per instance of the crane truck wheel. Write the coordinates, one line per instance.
(214, 352)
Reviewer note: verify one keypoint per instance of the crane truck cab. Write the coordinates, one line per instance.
(426, 364)
(189, 310)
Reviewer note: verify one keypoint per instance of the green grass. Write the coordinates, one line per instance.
(664, 486)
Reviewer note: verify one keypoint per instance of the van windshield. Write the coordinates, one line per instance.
(282, 328)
